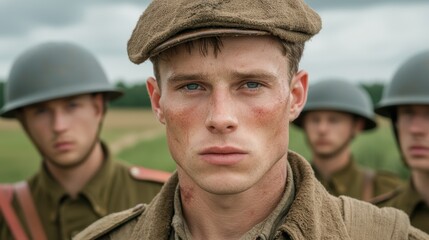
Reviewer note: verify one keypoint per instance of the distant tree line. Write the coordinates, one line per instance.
(135, 95)
(375, 91)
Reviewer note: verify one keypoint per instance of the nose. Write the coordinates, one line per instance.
(60, 121)
(322, 126)
(418, 125)
(221, 117)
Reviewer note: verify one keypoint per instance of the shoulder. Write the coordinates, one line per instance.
(366, 221)
(120, 221)
(147, 174)
(142, 174)
(387, 186)
(382, 200)
(388, 177)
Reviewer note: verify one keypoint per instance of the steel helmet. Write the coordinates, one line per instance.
(53, 70)
(410, 85)
(339, 95)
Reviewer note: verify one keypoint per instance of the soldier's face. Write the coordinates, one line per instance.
(64, 130)
(413, 132)
(329, 132)
(227, 116)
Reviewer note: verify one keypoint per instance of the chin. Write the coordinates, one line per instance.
(224, 185)
(418, 163)
(66, 163)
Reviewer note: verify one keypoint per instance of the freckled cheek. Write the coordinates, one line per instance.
(265, 115)
(180, 124)
(272, 120)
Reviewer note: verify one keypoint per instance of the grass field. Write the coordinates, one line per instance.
(136, 137)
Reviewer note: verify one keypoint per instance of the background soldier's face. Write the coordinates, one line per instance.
(413, 132)
(64, 130)
(329, 132)
(227, 116)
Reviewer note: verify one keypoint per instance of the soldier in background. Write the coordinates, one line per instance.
(406, 102)
(59, 94)
(227, 83)
(335, 113)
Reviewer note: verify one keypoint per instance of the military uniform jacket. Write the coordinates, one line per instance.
(314, 214)
(115, 187)
(362, 184)
(409, 200)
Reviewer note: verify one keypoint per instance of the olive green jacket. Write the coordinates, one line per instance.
(409, 200)
(114, 188)
(314, 214)
(353, 181)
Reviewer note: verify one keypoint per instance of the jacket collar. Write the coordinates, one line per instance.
(314, 214)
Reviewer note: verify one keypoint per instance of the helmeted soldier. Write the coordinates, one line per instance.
(227, 83)
(59, 93)
(406, 102)
(335, 113)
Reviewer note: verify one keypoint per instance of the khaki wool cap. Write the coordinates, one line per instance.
(167, 23)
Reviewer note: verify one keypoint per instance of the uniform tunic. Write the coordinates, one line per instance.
(112, 189)
(313, 214)
(350, 181)
(409, 200)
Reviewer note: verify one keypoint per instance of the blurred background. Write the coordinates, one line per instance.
(361, 41)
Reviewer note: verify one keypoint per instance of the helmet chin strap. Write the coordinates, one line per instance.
(394, 119)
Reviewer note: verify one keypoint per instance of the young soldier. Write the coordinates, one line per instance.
(336, 111)
(59, 93)
(406, 102)
(227, 82)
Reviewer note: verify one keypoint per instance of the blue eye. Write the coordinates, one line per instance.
(252, 85)
(192, 86)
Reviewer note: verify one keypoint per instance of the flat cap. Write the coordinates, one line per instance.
(167, 23)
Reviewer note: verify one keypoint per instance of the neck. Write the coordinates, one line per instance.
(207, 214)
(329, 165)
(421, 182)
(73, 180)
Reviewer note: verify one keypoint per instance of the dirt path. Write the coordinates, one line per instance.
(132, 139)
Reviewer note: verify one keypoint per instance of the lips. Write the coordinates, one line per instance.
(63, 145)
(418, 150)
(222, 155)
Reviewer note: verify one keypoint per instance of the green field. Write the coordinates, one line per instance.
(137, 138)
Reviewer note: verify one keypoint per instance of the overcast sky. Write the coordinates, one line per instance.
(362, 41)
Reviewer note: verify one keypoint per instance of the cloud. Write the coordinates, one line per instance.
(336, 4)
(367, 44)
(19, 17)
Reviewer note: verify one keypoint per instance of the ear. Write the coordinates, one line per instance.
(298, 94)
(359, 125)
(155, 96)
(99, 104)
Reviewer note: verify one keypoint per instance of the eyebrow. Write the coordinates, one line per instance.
(253, 75)
(185, 77)
(235, 75)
